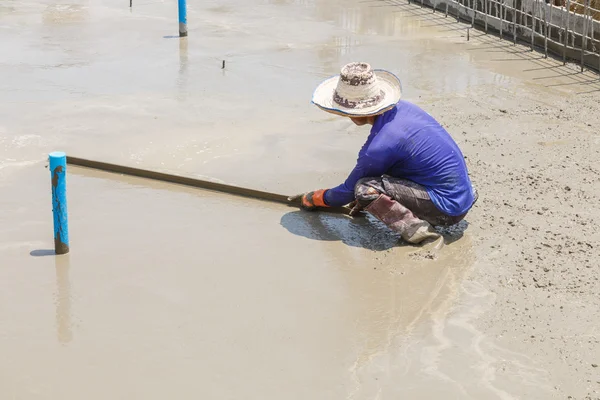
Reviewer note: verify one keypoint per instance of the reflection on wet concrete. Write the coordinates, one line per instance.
(63, 299)
(182, 79)
(363, 18)
(394, 290)
(395, 361)
(60, 14)
(62, 294)
(391, 294)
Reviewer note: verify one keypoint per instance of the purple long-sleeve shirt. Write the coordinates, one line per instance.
(406, 142)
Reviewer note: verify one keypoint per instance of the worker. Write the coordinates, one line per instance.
(410, 173)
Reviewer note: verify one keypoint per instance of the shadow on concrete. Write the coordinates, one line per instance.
(42, 253)
(453, 233)
(364, 231)
(64, 331)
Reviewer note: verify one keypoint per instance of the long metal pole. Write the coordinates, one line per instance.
(193, 182)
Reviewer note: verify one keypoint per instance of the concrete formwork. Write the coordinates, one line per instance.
(556, 30)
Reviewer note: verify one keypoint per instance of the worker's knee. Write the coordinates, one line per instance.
(367, 189)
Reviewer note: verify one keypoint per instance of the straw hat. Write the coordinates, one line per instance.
(358, 91)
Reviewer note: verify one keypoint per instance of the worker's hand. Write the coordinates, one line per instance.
(355, 209)
(310, 201)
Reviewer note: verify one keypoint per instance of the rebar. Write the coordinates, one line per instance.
(486, 10)
(566, 32)
(458, 11)
(584, 32)
(534, 22)
(501, 18)
(547, 28)
(515, 22)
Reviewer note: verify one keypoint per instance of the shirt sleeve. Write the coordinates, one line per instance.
(374, 161)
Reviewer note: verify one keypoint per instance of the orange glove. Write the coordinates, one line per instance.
(312, 200)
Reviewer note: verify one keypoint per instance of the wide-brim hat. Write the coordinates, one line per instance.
(358, 91)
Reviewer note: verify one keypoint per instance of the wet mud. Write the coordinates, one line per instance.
(169, 291)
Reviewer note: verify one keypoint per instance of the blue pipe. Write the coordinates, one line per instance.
(58, 175)
(182, 18)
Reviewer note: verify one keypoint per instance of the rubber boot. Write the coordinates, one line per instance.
(400, 219)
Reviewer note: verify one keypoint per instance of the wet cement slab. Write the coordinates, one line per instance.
(106, 82)
(173, 292)
(170, 291)
(100, 80)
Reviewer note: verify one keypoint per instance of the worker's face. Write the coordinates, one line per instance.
(360, 121)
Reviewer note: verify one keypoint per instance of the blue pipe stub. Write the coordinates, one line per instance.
(58, 175)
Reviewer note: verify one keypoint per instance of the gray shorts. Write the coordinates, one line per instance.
(408, 193)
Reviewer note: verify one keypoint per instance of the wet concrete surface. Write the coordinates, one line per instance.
(103, 82)
(175, 292)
